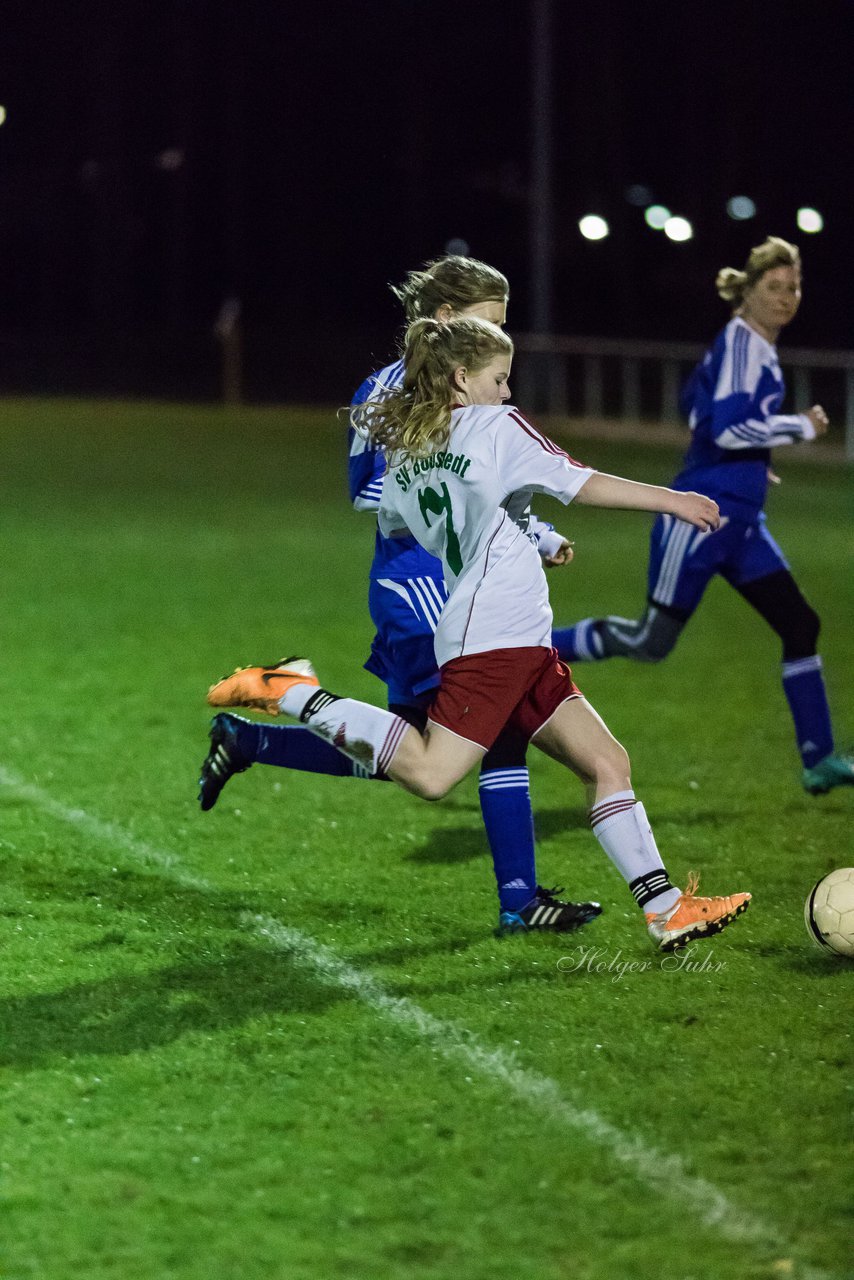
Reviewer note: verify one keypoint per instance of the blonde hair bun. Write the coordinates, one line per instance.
(773, 252)
(730, 284)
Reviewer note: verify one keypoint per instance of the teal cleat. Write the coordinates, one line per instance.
(833, 771)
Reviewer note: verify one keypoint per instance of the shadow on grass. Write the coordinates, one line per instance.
(688, 817)
(464, 844)
(129, 1014)
(151, 895)
(814, 964)
(142, 912)
(239, 979)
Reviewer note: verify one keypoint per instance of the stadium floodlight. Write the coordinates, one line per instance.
(2, 115)
(592, 227)
(740, 208)
(638, 194)
(656, 216)
(678, 229)
(810, 220)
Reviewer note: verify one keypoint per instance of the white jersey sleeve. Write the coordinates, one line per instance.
(527, 461)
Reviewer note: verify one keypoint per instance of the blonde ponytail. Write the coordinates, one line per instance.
(414, 419)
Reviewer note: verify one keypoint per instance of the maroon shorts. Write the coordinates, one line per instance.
(518, 688)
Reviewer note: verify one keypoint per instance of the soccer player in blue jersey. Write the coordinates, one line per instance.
(732, 401)
(406, 595)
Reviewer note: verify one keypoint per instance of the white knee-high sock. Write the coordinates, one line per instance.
(622, 828)
(368, 735)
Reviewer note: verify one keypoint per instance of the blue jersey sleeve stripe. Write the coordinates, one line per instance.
(364, 390)
(748, 432)
(389, 378)
(739, 360)
(365, 469)
(734, 355)
(745, 365)
(366, 464)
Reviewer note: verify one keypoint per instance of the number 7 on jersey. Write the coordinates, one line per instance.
(437, 504)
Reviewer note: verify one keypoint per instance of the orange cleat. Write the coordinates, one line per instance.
(693, 917)
(262, 687)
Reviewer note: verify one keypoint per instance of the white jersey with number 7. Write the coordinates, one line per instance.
(468, 503)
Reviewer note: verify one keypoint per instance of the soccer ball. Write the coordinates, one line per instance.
(829, 912)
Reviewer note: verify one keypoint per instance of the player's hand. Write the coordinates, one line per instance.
(697, 509)
(773, 478)
(819, 419)
(563, 555)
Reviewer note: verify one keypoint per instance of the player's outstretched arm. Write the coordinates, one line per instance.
(630, 495)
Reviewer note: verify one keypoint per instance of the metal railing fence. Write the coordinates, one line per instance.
(609, 377)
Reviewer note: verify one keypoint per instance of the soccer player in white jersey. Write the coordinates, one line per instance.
(462, 469)
(732, 402)
(406, 594)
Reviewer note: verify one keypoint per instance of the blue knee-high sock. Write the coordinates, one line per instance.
(292, 747)
(803, 684)
(581, 643)
(505, 802)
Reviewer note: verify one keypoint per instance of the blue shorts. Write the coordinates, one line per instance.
(683, 560)
(405, 612)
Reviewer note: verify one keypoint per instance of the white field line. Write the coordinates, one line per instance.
(104, 832)
(667, 1174)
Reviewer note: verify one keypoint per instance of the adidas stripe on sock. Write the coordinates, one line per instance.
(648, 889)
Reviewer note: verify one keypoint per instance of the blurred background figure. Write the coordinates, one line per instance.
(732, 401)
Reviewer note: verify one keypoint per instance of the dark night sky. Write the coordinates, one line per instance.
(325, 148)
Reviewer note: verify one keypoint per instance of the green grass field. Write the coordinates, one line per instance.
(280, 1039)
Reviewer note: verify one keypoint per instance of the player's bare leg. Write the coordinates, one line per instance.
(578, 737)
(430, 765)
